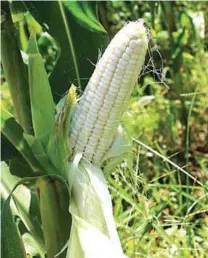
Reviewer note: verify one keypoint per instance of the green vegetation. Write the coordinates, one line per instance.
(160, 189)
(160, 210)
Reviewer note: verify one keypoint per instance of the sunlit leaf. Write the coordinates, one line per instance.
(42, 105)
(25, 203)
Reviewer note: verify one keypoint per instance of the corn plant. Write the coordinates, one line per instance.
(55, 195)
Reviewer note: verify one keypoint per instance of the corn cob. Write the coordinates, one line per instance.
(97, 115)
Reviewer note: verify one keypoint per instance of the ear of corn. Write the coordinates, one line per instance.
(104, 101)
(93, 139)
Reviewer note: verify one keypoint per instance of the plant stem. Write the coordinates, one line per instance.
(55, 217)
(15, 72)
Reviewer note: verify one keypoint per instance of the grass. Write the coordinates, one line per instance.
(153, 221)
(160, 190)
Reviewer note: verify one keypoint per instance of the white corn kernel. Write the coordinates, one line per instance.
(97, 115)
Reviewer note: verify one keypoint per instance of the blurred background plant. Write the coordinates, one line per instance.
(160, 211)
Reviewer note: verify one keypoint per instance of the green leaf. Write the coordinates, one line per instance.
(42, 105)
(12, 245)
(80, 36)
(15, 71)
(31, 149)
(19, 167)
(54, 201)
(14, 133)
(8, 151)
(26, 203)
(18, 11)
(41, 155)
(85, 14)
(57, 152)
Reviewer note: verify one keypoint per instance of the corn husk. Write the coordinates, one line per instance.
(93, 226)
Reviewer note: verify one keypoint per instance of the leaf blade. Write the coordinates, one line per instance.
(14, 133)
(43, 114)
(12, 245)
